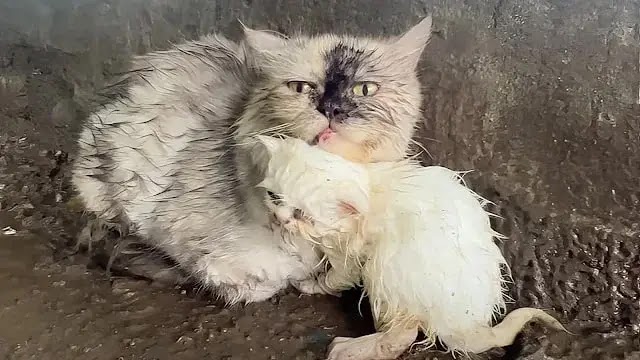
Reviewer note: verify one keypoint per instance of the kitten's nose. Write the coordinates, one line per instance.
(283, 215)
(332, 110)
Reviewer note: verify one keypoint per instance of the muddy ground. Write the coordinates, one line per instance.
(540, 98)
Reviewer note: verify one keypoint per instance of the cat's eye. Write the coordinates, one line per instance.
(301, 87)
(365, 89)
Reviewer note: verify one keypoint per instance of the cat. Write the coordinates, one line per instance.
(173, 160)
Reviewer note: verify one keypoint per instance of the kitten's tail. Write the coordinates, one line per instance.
(502, 334)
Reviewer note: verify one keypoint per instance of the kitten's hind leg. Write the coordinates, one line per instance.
(504, 333)
(387, 345)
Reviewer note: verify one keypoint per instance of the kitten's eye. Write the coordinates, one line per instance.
(301, 87)
(273, 196)
(365, 89)
(298, 214)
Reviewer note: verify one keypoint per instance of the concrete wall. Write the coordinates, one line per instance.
(542, 98)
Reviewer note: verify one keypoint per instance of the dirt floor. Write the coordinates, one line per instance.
(573, 242)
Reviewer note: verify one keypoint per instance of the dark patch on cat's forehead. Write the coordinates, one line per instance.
(344, 61)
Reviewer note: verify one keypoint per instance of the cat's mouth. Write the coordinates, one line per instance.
(323, 136)
(333, 141)
(327, 134)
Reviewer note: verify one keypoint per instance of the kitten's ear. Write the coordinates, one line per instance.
(265, 184)
(348, 209)
(408, 47)
(264, 41)
(269, 142)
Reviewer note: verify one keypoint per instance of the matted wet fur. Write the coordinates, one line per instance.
(172, 159)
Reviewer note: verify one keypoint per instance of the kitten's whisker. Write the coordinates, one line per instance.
(412, 141)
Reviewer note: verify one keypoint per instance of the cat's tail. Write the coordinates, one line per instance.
(503, 334)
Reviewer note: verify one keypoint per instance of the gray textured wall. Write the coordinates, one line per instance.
(542, 98)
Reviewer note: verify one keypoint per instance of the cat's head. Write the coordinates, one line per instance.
(311, 191)
(364, 90)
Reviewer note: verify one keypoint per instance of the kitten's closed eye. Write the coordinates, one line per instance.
(298, 214)
(301, 87)
(274, 197)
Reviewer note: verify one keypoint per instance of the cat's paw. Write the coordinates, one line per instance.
(100, 233)
(245, 293)
(370, 347)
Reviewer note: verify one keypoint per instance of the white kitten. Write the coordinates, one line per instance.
(419, 239)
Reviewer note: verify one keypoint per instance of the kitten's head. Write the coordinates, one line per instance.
(365, 90)
(312, 191)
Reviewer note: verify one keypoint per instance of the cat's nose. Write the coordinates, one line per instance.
(333, 111)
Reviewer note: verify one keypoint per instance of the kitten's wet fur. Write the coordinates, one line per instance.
(173, 159)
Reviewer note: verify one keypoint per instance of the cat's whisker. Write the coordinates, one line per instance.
(271, 130)
(275, 131)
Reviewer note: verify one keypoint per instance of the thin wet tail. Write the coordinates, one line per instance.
(504, 333)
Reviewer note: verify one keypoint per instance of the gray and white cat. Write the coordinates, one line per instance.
(174, 156)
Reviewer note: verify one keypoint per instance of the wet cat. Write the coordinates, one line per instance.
(173, 158)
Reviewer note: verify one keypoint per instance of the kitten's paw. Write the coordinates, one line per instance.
(314, 286)
(310, 287)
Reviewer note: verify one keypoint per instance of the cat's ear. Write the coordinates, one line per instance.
(264, 41)
(269, 142)
(409, 47)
